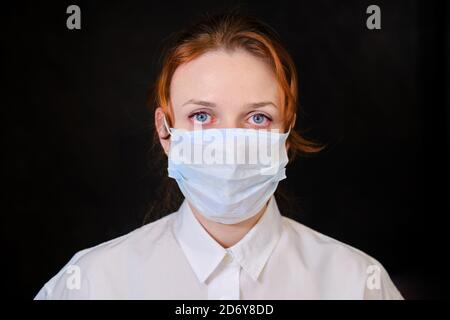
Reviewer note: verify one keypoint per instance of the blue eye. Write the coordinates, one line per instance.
(201, 117)
(259, 118)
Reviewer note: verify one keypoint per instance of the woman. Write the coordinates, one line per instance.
(225, 79)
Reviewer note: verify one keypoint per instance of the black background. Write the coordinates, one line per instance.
(76, 129)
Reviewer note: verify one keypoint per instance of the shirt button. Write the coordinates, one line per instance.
(228, 257)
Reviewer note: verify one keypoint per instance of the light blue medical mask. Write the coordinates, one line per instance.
(227, 174)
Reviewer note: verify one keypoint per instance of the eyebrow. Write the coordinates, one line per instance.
(213, 105)
(200, 102)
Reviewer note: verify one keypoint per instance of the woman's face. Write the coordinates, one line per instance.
(223, 89)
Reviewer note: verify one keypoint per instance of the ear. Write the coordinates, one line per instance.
(163, 134)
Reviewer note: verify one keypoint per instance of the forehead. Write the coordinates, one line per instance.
(221, 76)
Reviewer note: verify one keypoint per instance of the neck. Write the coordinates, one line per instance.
(227, 235)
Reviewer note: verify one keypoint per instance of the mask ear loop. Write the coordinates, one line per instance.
(292, 125)
(166, 125)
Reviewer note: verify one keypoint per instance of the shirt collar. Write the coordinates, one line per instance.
(251, 252)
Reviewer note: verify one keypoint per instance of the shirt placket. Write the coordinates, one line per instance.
(226, 285)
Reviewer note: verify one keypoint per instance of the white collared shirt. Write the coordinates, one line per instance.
(175, 258)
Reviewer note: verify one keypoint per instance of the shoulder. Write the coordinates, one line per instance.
(136, 243)
(318, 246)
(340, 264)
(75, 279)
